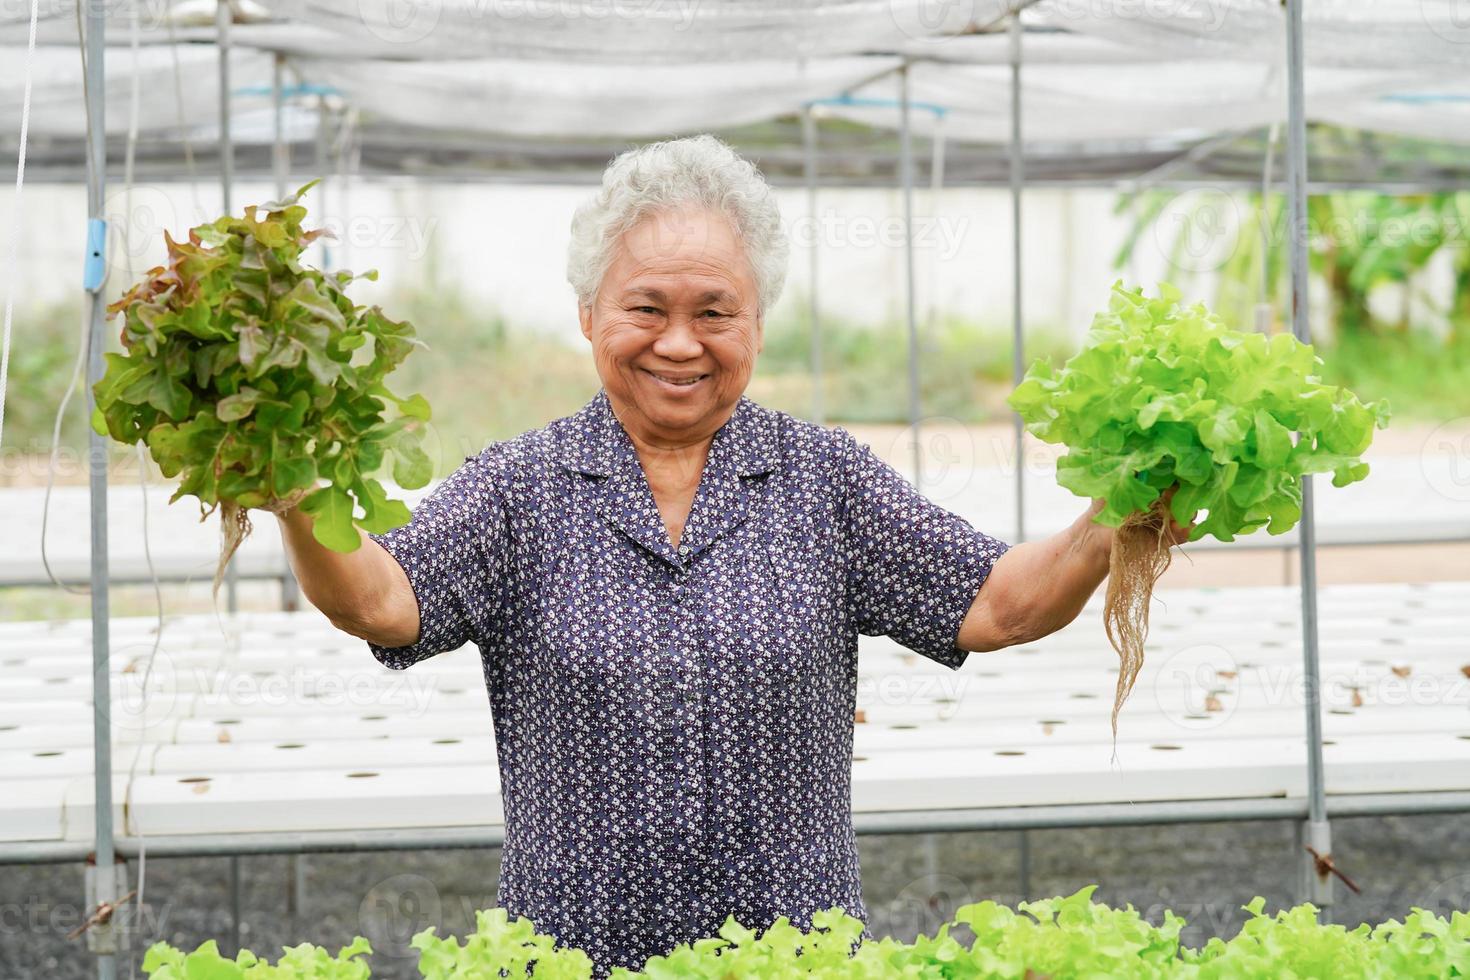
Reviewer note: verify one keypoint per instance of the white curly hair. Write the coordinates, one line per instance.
(695, 171)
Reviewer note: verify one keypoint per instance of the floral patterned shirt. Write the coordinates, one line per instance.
(674, 725)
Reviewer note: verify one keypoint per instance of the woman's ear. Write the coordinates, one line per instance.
(584, 316)
(760, 332)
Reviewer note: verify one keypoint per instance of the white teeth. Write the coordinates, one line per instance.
(682, 382)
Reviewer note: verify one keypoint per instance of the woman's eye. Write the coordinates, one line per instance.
(712, 313)
(645, 309)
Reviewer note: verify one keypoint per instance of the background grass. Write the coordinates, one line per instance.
(487, 380)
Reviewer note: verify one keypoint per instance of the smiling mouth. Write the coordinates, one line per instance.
(676, 380)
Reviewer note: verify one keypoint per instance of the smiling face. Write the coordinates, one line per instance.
(675, 327)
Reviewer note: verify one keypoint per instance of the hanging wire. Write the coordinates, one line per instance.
(15, 223)
(84, 347)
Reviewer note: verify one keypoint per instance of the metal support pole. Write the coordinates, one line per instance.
(1025, 864)
(1018, 350)
(280, 169)
(936, 189)
(280, 150)
(906, 178)
(223, 15)
(235, 902)
(322, 159)
(103, 937)
(809, 150)
(1318, 830)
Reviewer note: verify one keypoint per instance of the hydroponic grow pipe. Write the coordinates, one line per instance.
(1059, 816)
(101, 938)
(1318, 831)
(906, 179)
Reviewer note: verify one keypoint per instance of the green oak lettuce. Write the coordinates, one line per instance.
(1164, 393)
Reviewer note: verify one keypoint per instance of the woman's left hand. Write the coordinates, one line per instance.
(1176, 533)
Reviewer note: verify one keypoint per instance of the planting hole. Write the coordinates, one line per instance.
(361, 775)
(1083, 694)
(291, 745)
(859, 758)
(374, 717)
(195, 779)
(903, 728)
(1010, 752)
(228, 721)
(45, 755)
(1340, 711)
(446, 741)
(1167, 748)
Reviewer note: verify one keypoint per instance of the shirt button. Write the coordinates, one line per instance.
(684, 550)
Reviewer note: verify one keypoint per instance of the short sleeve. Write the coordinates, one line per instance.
(454, 553)
(914, 568)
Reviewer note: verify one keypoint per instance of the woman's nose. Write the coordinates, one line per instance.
(678, 341)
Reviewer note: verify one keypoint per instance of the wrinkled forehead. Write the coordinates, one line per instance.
(702, 245)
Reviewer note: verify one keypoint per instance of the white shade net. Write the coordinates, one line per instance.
(1162, 71)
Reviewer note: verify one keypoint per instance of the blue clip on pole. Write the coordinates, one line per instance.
(94, 269)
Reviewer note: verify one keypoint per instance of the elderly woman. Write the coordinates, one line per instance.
(667, 588)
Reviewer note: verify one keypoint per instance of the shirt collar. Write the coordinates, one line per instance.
(595, 442)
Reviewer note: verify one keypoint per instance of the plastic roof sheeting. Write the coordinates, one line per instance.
(59, 109)
(1389, 34)
(1108, 100)
(639, 32)
(549, 99)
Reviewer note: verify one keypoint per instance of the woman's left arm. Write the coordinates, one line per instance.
(1038, 587)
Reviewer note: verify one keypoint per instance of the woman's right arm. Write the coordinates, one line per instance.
(364, 592)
